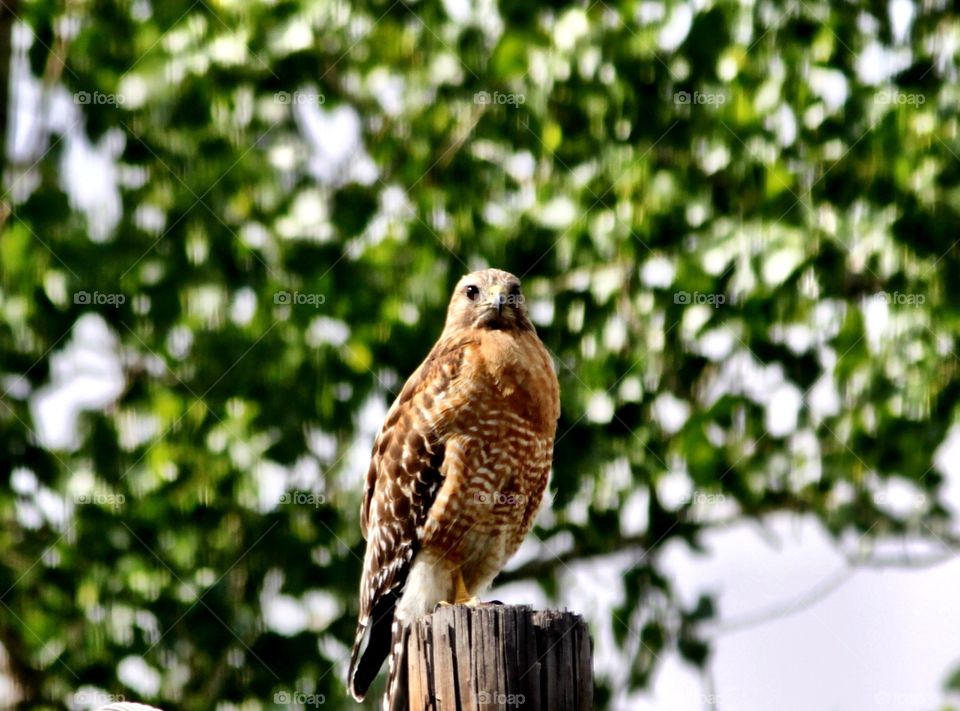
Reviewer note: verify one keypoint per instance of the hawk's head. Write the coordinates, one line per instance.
(490, 298)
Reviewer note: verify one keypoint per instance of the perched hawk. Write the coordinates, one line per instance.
(459, 467)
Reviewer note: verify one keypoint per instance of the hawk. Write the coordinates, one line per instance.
(459, 467)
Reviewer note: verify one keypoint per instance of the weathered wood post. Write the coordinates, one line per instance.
(500, 657)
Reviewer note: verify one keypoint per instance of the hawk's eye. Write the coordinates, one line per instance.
(515, 290)
(472, 292)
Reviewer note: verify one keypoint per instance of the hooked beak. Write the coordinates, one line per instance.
(497, 298)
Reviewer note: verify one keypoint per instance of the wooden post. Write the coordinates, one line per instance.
(494, 657)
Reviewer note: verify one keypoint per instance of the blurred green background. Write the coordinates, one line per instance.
(229, 233)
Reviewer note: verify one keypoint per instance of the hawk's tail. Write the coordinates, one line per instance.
(396, 697)
(371, 645)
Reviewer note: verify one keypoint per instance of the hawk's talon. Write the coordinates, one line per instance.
(469, 602)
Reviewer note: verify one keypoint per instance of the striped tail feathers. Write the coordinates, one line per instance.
(395, 698)
(372, 645)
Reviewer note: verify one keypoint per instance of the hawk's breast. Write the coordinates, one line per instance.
(498, 456)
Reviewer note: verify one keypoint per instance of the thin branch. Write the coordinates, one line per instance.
(818, 592)
(544, 566)
(904, 560)
(831, 584)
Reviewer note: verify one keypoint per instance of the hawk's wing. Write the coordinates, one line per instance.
(401, 484)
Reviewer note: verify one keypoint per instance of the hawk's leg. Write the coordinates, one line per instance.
(462, 595)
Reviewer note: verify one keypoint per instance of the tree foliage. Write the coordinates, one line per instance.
(736, 240)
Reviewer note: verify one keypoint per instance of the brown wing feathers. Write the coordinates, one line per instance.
(402, 481)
